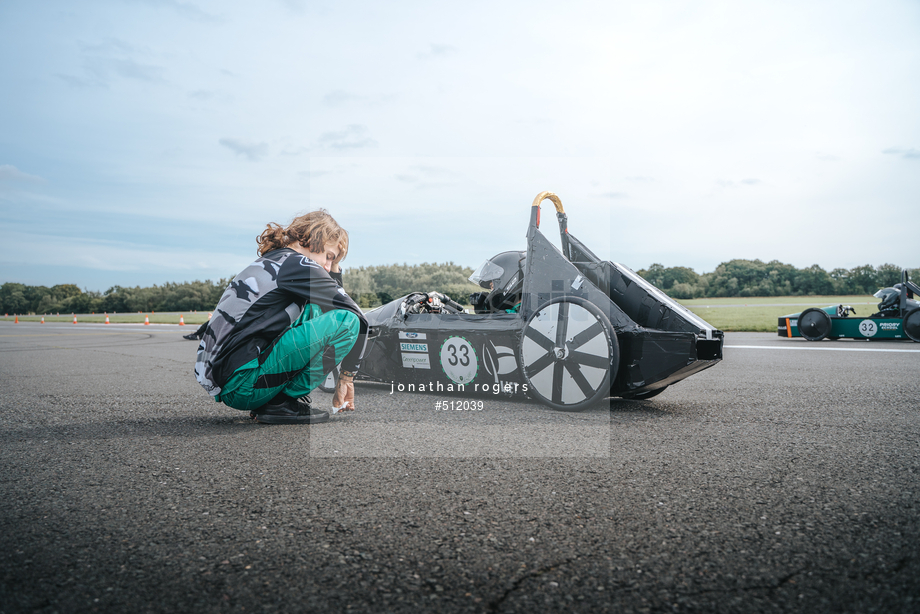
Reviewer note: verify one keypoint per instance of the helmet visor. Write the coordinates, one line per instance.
(487, 273)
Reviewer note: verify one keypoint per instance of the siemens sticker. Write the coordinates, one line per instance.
(405, 346)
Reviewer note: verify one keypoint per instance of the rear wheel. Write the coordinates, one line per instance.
(814, 324)
(912, 324)
(568, 353)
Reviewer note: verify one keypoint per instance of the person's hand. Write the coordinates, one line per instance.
(344, 397)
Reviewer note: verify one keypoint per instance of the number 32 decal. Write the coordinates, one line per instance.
(868, 328)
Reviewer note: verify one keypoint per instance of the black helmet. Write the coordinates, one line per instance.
(889, 299)
(503, 275)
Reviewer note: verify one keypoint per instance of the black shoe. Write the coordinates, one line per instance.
(293, 411)
(191, 336)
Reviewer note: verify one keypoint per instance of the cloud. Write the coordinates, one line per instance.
(536, 121)
(201, 95)
(732, 184)
(8, 172)
(129, 69)
(434, 171)
(187, 10)
(312, 174)
(295, 6)
(617, 195)
(826, 157)
(907, 154)
(641, 179)
(292, 150)
(109, 46)
(103, 255)
(338, 98)
(426, 177)
(105, 61)
(436, 51)
(354, 136)
(253, 151)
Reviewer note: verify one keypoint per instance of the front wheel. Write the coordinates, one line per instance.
(814, 324)
(568, 353)
(912, 324)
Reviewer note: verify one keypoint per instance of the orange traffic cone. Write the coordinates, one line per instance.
(106, 318)
(43, 319)
(181, 320)
(15, 319)
(209, 315)
(74, 319)
(146, 321)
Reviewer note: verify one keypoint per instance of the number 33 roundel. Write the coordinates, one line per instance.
(458, 359)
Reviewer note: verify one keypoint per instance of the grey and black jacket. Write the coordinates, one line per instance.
(258, 307)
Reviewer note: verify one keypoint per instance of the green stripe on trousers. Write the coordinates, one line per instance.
(294, 364)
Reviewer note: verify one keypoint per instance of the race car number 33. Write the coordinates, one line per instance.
(458, 360)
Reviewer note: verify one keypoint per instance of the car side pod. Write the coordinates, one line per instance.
(658, 341)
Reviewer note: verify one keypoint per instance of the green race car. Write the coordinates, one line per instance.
(898, 317)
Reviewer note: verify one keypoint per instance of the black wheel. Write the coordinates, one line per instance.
(645, 395)
(912, 324)
(814, 324)
(568, 353)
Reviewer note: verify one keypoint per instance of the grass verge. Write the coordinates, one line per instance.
(759, 314)
(750, 314)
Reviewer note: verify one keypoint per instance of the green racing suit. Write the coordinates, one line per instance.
(281, 325)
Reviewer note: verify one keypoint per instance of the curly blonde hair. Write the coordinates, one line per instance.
(314, 231)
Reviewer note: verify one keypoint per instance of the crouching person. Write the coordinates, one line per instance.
(282, 324)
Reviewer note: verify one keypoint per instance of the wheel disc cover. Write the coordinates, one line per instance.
(565, 353)
(814, 325)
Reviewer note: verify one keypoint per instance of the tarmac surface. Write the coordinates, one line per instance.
(783, 479)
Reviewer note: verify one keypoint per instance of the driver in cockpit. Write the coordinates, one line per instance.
(503, 277)
(890, 301)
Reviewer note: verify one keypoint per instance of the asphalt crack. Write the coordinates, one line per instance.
(497, 602)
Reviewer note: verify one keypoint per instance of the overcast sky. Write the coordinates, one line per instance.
(149, 141)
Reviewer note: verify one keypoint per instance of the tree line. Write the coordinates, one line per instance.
(369, 286)
(68, 298)
(757, 278)
(374, 285)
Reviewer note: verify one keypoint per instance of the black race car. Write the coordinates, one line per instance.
(565, 328)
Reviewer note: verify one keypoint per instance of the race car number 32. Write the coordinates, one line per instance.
(458, 359)
(867, 328)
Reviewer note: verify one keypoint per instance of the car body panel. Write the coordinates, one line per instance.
(889, 324)
(658, 341)
(850, 327)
